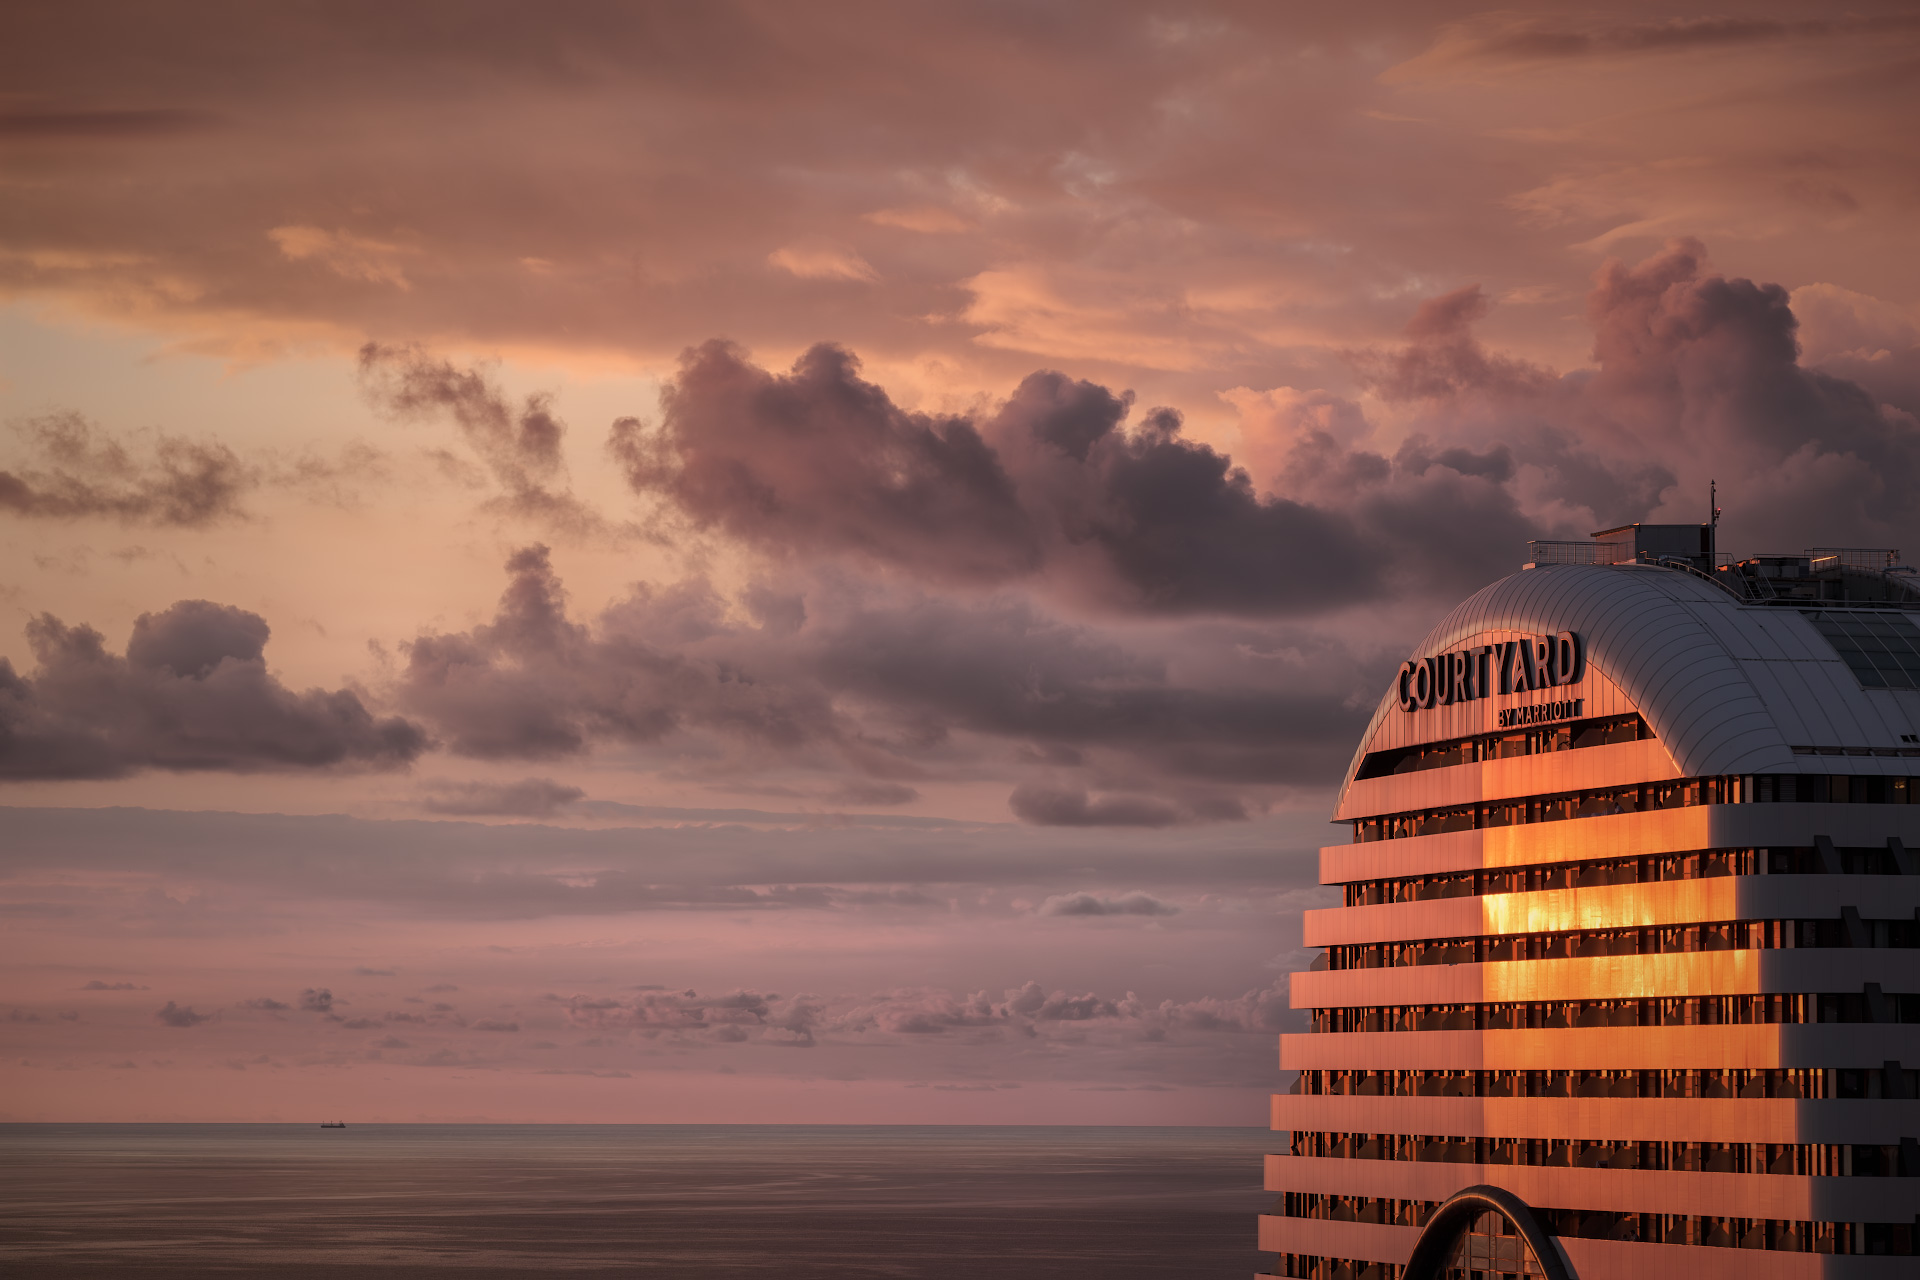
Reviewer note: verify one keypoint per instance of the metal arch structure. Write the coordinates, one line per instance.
(1456, 1216)
(1728, 688)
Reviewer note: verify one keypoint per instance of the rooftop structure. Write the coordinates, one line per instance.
(1627, 977)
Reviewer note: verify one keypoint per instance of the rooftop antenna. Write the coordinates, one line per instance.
(1713, 525)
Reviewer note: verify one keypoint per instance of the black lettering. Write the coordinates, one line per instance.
(1506, 667)
(1571, 654)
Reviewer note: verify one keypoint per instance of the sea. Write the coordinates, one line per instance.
(794, 1201)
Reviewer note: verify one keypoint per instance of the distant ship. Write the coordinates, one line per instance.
(333, 1124)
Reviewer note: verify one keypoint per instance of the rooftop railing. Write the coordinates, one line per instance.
(1877, 559)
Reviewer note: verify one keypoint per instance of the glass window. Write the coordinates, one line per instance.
(1881, 649)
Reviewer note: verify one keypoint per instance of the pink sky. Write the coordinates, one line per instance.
(753, 562)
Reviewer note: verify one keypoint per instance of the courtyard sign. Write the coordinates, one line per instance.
(1512, 666)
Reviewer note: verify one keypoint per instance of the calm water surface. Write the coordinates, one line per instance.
(643, 1200)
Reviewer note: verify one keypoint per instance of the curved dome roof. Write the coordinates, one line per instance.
(1728, 687)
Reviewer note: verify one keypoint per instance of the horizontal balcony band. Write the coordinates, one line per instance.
(1651, 977)
(1622, 835)
(1827, 1120)
(1587, 1259)
(1620, 906)
(1872, 1160)
(1617, 764)
(1752, 1047)
(1860, 866)
(1740, 1195)
(1890, 1080)
(1360, 1241)
(1849, 933)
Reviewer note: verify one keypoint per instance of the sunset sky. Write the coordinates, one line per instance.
(777, 562)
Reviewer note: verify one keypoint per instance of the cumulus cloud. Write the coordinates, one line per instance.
(1697, 376)
(77, 470)
(1063, 491)
(191, 693)
(875, 683)
(316, 1000)
(533, 684)
(1087, 904)
(527, 798)
(173, 1015)
(820, 460)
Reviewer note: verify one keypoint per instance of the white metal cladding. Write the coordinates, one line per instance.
(1729, 688)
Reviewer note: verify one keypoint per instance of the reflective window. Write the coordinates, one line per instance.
(1881, 649)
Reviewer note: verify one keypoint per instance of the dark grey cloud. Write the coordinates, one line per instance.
(174, 1016)
(1061, 491)
(266, 1004)
(1708, 367)
(1698, 377)
(1715, 361)
(316, 1000)
(819, 460)
(1442, 357)
(1087, 904)
(192, 693)
(74, 469)
(533, 684)
(97, 985)
(519, 445)
(1072, 807)
(886, 684)
(527, 798)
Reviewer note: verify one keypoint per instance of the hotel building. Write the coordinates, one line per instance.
(1626, 982)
